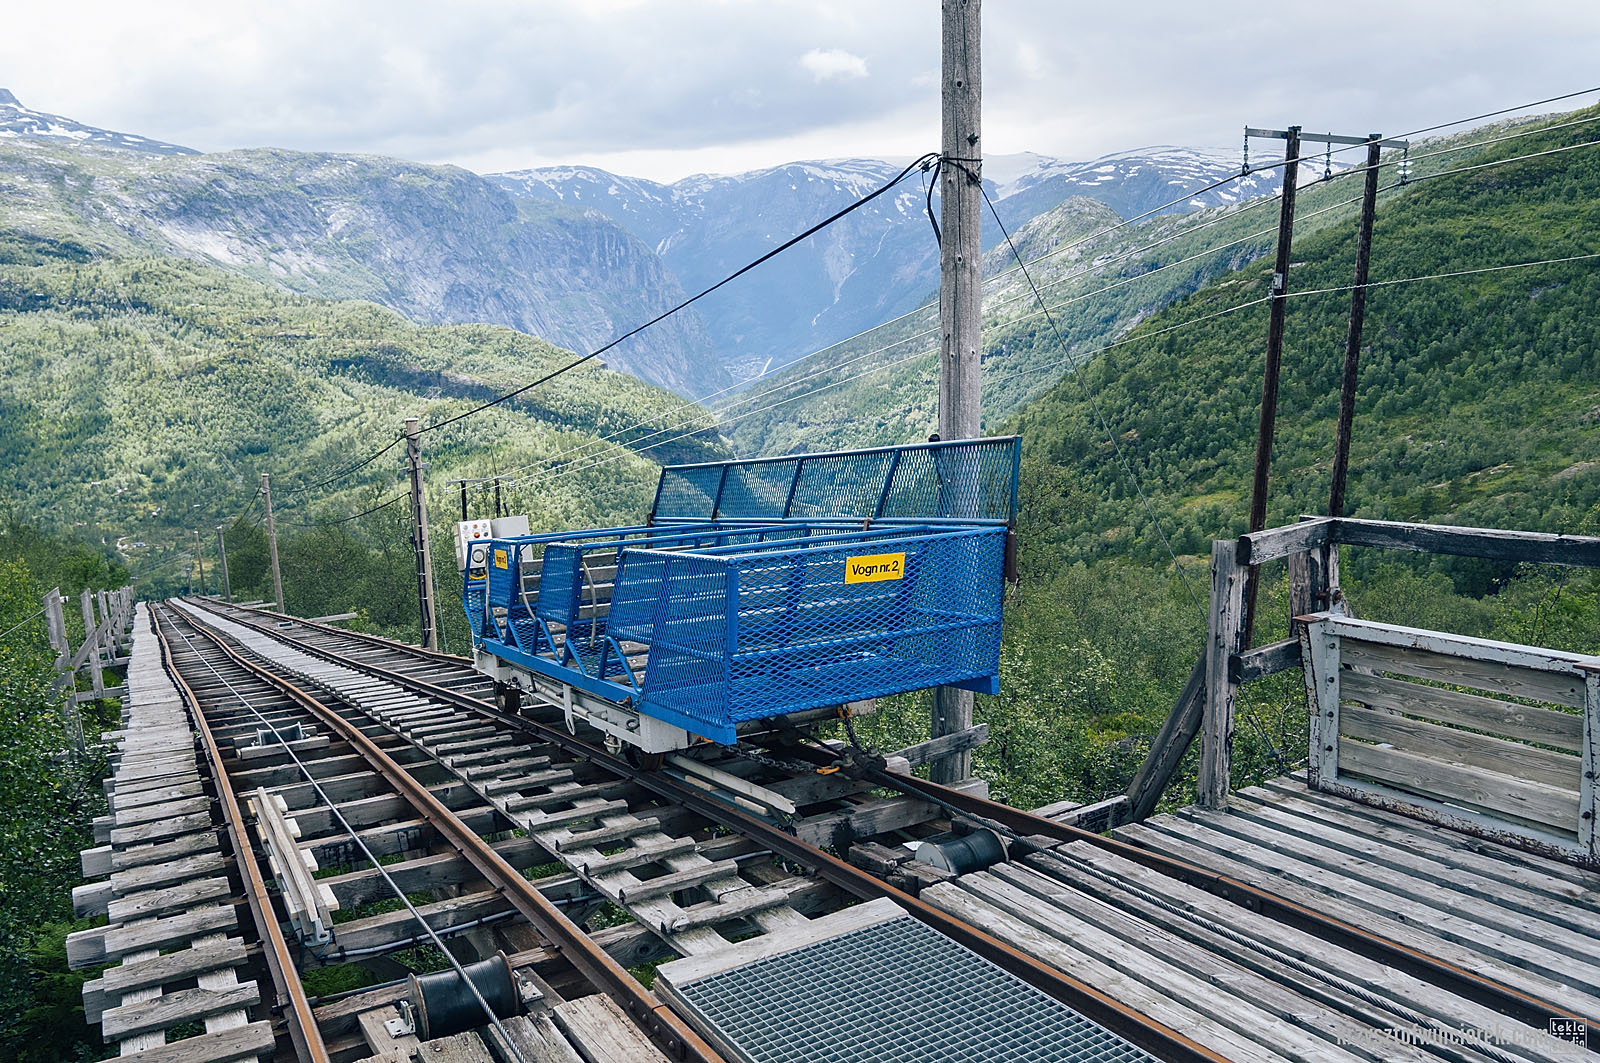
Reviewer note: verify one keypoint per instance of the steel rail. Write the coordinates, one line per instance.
(298, 1017)
(1468, 984)
(654, 1018)
(1139, 1029)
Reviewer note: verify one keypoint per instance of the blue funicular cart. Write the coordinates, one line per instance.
(758, 593)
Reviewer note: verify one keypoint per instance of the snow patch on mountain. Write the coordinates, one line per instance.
(19, 122)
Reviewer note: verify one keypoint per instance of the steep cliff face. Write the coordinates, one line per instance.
(876, 264)
(437, 243)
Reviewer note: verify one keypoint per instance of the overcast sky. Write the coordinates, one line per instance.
(664, 89)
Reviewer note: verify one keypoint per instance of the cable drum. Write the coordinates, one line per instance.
(444, 1004)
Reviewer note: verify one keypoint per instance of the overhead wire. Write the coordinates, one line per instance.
(741, 271)
(339, 817)
(1256, 202)
(345, 520)
(1074, 359)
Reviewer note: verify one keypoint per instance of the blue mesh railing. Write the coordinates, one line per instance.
(767, 587)
(747, 635)
(964, 480)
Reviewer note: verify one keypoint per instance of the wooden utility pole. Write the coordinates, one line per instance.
(419, 537)
(272, 542)
(200, 559)
(1269, 381)
(960, 291)
(222, 559)
(1352, 343)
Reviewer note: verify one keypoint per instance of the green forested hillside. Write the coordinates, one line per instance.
(49, 796)
(1479, 395)
(140, 399)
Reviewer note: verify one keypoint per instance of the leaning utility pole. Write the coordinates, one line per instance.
(1269, 381)
(419, 537)
(960, 292)
(200, 559)
(272, 542)
(1352, 343)
(222, 557)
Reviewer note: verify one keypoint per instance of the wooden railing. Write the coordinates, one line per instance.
(1206, 707)
(1480, 735)
(107, 618)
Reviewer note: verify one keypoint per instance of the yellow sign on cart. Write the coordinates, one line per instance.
(500, 560)
(873, 568)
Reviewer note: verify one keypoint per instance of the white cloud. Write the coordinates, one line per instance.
(826, 64)
(661, 88)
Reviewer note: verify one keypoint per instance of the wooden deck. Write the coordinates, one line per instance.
(172, 928)
(1252, 988)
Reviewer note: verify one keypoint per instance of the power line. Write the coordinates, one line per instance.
(341, 474)
(741, 271)
(1094, 404)
(1443, 276)
(1503, 110)
(343, 520)
(23, 624)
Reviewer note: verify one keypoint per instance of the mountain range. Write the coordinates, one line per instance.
(573, 255)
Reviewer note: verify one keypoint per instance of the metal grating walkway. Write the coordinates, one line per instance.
(889, 992)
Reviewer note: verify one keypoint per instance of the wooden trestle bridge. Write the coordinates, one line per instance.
(287, 796)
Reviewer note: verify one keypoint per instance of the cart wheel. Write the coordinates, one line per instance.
(644, 761)
(508, 698)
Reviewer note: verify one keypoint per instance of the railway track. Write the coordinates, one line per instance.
(515, 837)
(431, 814)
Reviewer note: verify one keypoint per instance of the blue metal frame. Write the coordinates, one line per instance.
(738, 626)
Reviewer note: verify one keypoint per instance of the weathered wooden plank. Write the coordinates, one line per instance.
(160, 852)
(1447, 865)
(169, 930)
(1224, 633)
(1456, 746)
(1486, 791)
(538, 1040)
(465, 1047)
(933, 748)
(1231, 994)
(1481, 900)
(836, 924)
(1374, 817)
(1263, 661)
(601, 1030)
(244, 1042)
(160, 830)
(1497, 544)
(839, 829)
(153, 876)
(1549, 727)
(1168, 747)
(1480, 672)
(1271, 544)
(167, 900)
(1132, 886)
(172, 1009)
(1087, 967)
(1446, 934)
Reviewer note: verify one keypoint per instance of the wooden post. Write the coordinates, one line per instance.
(1269, 380)
(272, 542)
(419, 537)
(56, 624)
(91, 637)
(1588, 837)
(200, 559)
(222, 559)
(1352, 343)
(1223, 639)
(960, 292)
